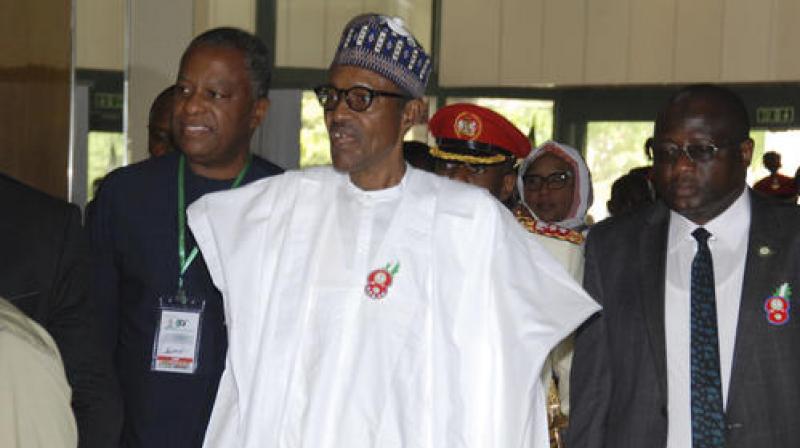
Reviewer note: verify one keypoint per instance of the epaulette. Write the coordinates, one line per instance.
(548, 230)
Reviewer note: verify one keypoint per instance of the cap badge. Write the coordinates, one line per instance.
(379, 280)
(467, 126)
(777, 306)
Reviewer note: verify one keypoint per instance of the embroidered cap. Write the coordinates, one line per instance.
(384, 45)
(474, 134)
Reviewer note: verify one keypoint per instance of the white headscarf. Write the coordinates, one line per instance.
(582, 192)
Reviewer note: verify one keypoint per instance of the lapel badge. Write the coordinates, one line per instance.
(777, 306)
(379, 280)
(764, 251)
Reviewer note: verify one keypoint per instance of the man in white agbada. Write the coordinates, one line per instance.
(372, 304)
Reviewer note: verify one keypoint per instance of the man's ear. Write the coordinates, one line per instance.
(509, 182)
(414, 112)
(260, 109)
(747, 151)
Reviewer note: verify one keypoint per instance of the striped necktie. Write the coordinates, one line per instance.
(708, 421)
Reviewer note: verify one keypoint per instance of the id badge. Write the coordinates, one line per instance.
(177, 341)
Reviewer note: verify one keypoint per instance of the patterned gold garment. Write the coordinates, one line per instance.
(542, 228)
(557, 422)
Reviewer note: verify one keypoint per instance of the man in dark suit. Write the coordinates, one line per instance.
(697, 344)
(44, 273)
(148, 272)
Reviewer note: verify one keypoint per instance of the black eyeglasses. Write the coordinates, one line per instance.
(669, 152)
(555, 181)
(358, 98)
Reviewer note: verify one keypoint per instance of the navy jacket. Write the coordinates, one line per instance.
(619, 372)
(135, 261)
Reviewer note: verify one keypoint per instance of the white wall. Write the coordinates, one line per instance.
(159, 32)
(308, 31)
(514, 43)
(598, 42)
(100, 34)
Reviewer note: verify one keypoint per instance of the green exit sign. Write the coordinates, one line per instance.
(775, 115)
(108, 100)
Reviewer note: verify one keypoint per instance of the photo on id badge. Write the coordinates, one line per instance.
(177, 340)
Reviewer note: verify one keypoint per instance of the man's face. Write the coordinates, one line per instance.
(549, 185)
(497, 178)
(215, 111)
(700, 190)
(367, 141)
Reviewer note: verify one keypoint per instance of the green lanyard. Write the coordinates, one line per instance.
(185, 261)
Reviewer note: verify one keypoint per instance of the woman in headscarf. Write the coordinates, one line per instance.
(555, 191)
(555, 186)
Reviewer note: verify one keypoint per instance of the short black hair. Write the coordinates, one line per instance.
(734, 109)
(257, 56)
(771, 155)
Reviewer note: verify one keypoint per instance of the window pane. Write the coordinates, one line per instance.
(314, 143)
(786, 143)
(106, 153)
(612, 149)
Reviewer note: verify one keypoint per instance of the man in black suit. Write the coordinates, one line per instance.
(697, 344)
(44, 273)
(148, 272)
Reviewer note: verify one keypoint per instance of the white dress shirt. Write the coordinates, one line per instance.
(728, 244)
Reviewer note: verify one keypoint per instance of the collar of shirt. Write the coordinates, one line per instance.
(385, 194)
(728, 230)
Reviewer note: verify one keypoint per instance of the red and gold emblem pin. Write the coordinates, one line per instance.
(379, 281)
(777, 306)
(467, 126)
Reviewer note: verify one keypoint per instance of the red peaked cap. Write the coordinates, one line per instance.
(476, 135)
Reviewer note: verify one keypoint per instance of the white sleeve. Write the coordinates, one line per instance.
(535, 303)
(35, 395)
(199, 221)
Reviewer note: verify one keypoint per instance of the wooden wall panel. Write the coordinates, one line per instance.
(607, 41)
(785, 40)
(651, 57)
(35, 67)
(470, 53)
(746, 40)
(563, 42)
(698, 40)
(12, 25)
(521, 28)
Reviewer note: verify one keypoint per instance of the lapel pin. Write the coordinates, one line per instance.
(777, 306)
(764, 251)
(379, 280)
